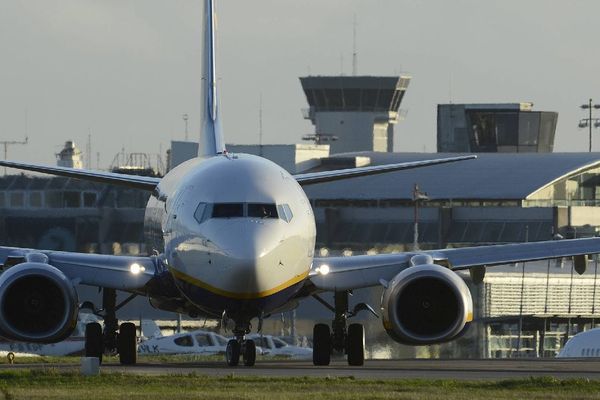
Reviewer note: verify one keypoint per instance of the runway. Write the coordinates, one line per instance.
(373, 369)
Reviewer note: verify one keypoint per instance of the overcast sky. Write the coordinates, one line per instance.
(126, 70)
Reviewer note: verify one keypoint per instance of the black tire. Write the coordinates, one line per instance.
(232, 353)
(249, 353)
(355, 345)
(127, 344)
(321, 344)
(94, 345)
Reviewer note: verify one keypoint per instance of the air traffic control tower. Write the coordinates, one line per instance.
(359, 112)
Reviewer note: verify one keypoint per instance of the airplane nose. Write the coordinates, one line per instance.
(252, 258)
(251, 249)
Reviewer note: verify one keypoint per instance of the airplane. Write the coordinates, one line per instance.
(272, 346)
(233, 238)
(193, 342)
(583, 345)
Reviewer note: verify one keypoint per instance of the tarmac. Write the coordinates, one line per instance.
(495, 369)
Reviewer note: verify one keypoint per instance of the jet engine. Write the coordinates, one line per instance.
(426, 304)
(37, 303)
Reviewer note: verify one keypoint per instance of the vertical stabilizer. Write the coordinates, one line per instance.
(211, 136)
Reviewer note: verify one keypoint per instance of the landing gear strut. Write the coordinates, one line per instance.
(342, 338)
(114, 339)
(241, 347)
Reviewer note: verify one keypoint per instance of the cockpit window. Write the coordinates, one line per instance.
(285, 212)
(261, 210)
(205, 211)
(202, 213)
(227, 210)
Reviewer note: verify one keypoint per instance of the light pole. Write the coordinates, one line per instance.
(417, 197)
(185, 120)
(587, 122)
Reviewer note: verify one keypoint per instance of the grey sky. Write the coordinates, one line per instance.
(126, 70)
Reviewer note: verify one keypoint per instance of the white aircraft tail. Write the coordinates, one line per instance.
(211, 136)
(150, 329)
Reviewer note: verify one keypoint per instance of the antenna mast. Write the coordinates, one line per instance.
(354, 52)
(260, 125)
(88, 151)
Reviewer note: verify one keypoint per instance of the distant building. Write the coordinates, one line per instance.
(293, 158)
(70, 156)
(359, 111)
(494, 128)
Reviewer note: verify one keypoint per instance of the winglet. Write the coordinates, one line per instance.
(211, 136)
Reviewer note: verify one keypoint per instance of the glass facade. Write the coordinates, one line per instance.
(493, 128)
(510, 131)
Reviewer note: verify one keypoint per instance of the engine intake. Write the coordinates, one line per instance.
(37, 303)
(426, 304)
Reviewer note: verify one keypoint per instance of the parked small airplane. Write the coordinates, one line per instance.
(233, 238)
(583, 345)
(267, 345)
(194, 342)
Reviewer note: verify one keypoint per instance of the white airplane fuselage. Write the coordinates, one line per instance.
(230, 242)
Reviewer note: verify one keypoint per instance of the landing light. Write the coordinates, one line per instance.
(323, 269)
(136, 268)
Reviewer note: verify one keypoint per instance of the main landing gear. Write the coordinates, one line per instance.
(240, 346)
(341, 338)
(115, 338)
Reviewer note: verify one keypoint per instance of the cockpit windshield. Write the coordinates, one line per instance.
(262, 210)
(227, 210)
(206, 211)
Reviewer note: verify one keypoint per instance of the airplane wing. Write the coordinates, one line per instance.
(134, 181)
(329, 176)
(345, 273)
(109, 271)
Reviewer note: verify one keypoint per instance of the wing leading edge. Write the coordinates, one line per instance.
(109, 271)
(133, 181)
(345, 273)
(330, 176)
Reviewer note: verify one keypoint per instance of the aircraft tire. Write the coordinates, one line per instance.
(127, 344)
(232, 353)
(94, 344)
(249, 353)
(321, 344)
(355, 345)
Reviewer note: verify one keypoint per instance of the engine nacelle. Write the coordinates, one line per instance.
(37, 303)
(426, 304)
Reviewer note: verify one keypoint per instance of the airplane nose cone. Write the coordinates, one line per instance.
(251, 249)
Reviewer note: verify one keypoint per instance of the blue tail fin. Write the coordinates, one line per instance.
(211, 136)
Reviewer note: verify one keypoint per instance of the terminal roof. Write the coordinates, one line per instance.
(492, 176)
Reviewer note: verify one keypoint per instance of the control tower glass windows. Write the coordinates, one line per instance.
(529, 127)
(384, 99)
(352, 98)
(507, 128)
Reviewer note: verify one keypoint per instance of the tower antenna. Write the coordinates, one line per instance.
(260, 125)
(354, 51)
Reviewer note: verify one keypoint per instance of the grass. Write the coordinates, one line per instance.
(53, 384)
(158, 359)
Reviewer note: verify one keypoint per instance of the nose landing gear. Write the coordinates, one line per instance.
(240, 347)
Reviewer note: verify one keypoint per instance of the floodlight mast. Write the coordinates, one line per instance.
(587, 122)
